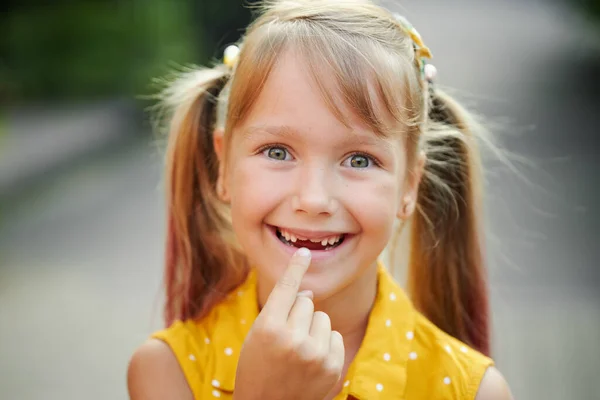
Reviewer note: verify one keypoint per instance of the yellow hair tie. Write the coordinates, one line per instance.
(422, 50)
(230, 55)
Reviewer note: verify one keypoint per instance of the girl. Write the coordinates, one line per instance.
(288, 166)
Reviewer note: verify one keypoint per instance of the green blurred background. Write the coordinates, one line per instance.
(67, 50)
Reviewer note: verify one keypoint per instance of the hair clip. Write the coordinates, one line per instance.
(230, 55)
(422, 52)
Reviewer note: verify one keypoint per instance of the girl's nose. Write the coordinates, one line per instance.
(314, 193)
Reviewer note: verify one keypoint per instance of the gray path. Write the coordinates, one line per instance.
(80, 260)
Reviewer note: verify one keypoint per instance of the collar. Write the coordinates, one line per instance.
(379, 365)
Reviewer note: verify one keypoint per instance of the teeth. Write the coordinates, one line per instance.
(290, 237)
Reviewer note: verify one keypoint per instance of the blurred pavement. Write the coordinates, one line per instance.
(46, 139)
(81, 255)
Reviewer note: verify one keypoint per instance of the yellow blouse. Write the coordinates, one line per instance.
(403, 355)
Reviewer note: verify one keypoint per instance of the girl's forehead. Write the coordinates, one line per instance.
(293, 99)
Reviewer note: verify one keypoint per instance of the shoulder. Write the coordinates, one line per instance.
(443, 346)
(169, 363)
(493, 386)
(154, 373)
(442, 366)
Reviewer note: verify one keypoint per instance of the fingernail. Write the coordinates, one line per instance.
(303, 252)
(306, 293)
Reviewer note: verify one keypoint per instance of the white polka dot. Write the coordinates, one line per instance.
(447, 380)
(216, 393)
(216, 383)
(388, 322)
(346, 383)
(393, 296)
(412, 355)
(243, 321)
(463, 349)
(410, 335)
(379, 387)
(192, 357)
(240, 293)
(207, 340)
(386, 356)
(228, 351)
(448, 348)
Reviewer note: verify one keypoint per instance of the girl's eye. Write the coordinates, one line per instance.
(276, 153)
(359, 161)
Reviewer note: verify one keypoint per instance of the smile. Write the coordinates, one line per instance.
(311, 240)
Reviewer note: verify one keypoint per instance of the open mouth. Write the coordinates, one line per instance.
(321, 243)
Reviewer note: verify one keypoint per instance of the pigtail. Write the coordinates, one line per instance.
(446, 276)
(202, 265)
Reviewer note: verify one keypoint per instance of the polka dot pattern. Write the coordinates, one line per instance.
(407, 341)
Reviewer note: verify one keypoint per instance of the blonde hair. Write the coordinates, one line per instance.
(378, 76)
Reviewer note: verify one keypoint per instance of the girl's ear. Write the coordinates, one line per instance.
(218, 145)
(408, 202)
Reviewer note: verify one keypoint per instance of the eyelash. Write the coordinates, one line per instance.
(372, 159)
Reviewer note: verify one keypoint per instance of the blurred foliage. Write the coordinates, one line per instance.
(66, 49)
(591, 8)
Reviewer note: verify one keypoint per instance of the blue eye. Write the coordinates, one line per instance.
(359, 161)
(276, 153)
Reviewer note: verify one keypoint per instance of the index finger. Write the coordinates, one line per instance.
(284, 293)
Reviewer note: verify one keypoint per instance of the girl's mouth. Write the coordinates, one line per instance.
(319, 243)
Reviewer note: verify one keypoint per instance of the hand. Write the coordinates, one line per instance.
(291, 351)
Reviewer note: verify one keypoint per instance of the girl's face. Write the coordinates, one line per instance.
(298, 177)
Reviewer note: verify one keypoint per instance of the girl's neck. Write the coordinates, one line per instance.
(350, 308)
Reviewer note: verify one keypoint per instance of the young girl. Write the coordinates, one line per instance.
(288, 166)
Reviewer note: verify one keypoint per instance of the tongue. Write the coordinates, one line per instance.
(309, 245)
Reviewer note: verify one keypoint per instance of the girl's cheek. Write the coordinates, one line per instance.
(255, 185)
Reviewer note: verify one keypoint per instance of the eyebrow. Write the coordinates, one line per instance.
(288, 132)
(284, 131)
